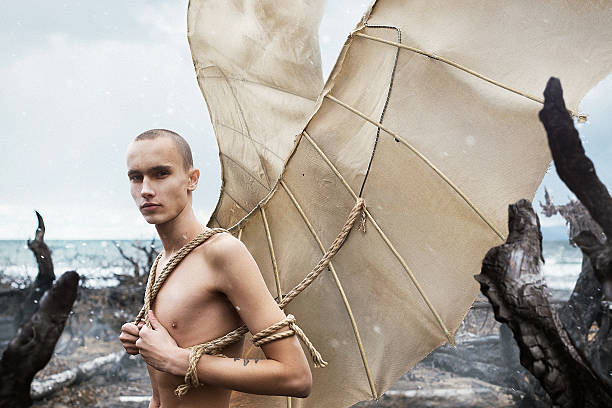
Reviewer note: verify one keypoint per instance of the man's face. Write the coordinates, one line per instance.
(159, 183)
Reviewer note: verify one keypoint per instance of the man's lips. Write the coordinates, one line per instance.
(149, 206)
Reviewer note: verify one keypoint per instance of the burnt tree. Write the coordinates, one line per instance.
(44, 278)
(570, 352)
(150, 253)
(32, 347)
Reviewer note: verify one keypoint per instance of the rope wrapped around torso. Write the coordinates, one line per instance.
(216, 346)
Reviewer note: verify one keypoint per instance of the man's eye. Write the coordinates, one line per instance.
(135, 178)
(162, 173)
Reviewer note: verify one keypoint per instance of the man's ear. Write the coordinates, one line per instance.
(194, 176)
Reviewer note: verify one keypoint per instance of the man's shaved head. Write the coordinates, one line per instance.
(180, 143)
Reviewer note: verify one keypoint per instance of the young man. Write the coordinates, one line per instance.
(214, 290)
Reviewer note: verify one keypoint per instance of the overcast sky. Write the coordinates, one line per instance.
(80, 79)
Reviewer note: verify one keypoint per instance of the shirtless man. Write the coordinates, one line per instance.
(214, 290)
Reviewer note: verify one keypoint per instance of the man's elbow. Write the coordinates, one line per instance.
(300, 384)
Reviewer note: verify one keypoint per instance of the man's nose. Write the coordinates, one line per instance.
(147, 188)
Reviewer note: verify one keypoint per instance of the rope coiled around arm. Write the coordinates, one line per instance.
(215, 347)
(268, 335)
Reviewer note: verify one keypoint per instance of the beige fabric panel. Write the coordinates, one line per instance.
(520, 43)
(469, 119)
(245, 188)
(228, 212)
(259, 68)
(487, 140)
(254, 237)
(347, 141)
(297, 253)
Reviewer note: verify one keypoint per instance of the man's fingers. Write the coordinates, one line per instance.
(130, 328)
(132, 350)
(125, 337)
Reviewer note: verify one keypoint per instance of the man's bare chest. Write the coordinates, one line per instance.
(190, 306)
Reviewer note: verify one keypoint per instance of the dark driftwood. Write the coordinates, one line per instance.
(44, 278)
(572, 367)
(32, 347)
(578, 173)
(44, 312)
(512, 281)
(590, 304)
(582, 316)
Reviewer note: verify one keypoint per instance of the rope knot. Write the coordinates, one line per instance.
(268, 335)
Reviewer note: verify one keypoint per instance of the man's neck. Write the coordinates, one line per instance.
(178, 232)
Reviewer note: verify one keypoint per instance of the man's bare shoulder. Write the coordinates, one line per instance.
(223, 247)
(225, 253)
(231, 261)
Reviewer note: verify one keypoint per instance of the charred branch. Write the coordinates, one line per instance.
(576, 216)
(578, 173)
(32, 347)
(512, 280)
(128, 258)
(97, 366)
(571, 353)
(44, 278)
(573, 166)
(583, 318)
(149, 251)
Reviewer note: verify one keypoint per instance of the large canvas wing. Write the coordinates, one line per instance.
(259, 68)
(438, 154)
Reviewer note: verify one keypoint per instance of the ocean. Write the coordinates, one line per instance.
(99, 262)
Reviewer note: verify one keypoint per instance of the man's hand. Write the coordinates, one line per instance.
(129, 336)
(158, 348)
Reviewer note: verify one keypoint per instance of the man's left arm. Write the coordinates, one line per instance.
(285, 371)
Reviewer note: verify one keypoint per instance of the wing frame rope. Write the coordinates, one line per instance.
(450, 337)
(384, 109)
(279, 291)
(345, 300)
(581, 117)
(422, 157)
(215, 346)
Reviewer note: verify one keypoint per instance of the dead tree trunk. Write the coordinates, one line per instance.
(573, 368)
(47, 311)
(583, 316)
(32, 347)
(44, 278)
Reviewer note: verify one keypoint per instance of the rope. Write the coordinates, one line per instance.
(154, 283)
(422, 157)
(267, 335)
(333, 249)
(448, 335)
(581, 117)
(216, 346)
